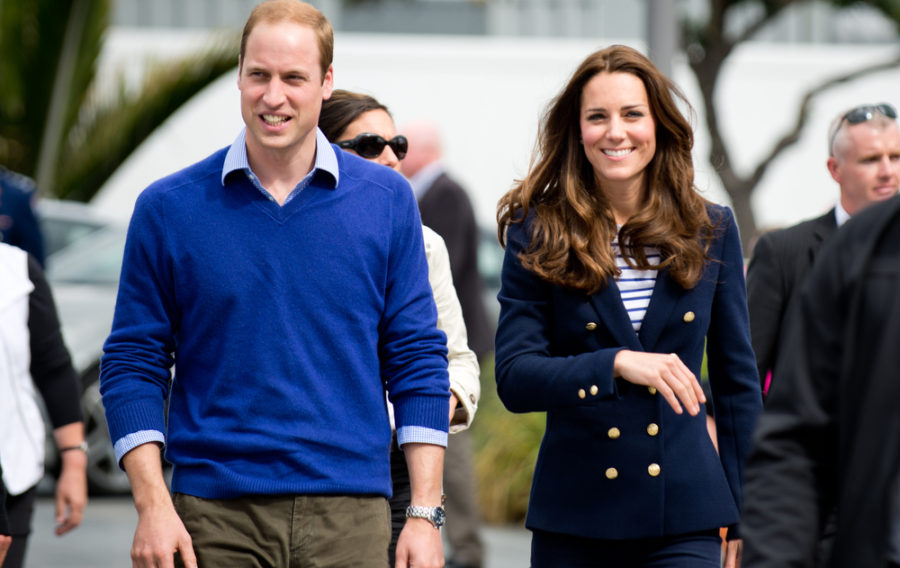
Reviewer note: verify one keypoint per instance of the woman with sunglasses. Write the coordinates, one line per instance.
(361, 125)
(617, 274)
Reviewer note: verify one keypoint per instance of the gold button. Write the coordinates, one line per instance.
(590, 326)
(612, 473)
(688, 317)
(594, 390)
(652, 390)
(653, 469)
(652, 429)
(581, 393)
(613, 433)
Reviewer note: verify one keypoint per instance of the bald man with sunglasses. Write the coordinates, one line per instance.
(864, 159)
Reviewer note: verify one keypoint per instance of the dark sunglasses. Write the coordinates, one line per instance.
(867, 112)
(860, 114)
(371, 146)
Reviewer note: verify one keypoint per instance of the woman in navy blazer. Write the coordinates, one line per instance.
(610, 346)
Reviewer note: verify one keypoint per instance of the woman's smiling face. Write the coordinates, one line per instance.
(617, 129)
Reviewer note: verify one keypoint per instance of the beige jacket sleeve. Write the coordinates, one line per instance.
(463, 364)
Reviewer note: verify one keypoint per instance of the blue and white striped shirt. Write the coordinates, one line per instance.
(636, 286)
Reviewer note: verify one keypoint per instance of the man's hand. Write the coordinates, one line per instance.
(419, 546)
(160, 532)
(158, 536)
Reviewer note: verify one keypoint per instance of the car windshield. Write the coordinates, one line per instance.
(96, 258)
(66, 222)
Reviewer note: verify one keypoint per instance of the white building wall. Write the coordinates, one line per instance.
(487, 95)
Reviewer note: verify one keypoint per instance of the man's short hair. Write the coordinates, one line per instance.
(297, 12)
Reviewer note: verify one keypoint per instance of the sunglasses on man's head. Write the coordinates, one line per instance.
(371, 146)
(867, 112)
(860, 114)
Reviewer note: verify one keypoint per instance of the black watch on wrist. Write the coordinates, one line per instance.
(434, 515)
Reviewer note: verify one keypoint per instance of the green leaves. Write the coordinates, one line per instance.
(56, 122)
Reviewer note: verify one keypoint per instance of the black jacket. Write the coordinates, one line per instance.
(781, 261)
(830, 429)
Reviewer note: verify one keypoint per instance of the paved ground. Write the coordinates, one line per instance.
(104, 539)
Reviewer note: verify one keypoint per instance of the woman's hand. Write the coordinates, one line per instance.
(734, 550)
(71, 491)
(666, 373)
(454, 402)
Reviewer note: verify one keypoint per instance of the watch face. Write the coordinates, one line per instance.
(439, 516)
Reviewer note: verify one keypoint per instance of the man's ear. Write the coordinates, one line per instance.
(328, 83)
(834, 169)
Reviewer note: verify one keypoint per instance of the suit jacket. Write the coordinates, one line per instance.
(829, 433)
(616, 461)
(780, 263)
(446, 209)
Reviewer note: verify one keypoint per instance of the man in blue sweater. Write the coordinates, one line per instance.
(288, 281)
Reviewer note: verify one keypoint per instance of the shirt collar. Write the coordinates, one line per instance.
(425, 177)
(236, 159)
(840, 214)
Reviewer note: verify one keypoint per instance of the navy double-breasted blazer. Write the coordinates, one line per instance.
(616, 461)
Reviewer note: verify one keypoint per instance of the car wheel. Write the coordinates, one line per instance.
(103, 472)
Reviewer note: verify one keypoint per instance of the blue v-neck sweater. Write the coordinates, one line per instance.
(285, 324)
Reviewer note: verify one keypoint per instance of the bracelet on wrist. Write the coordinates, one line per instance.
(82, 446)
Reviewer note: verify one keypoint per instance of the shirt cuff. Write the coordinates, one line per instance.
(421, 435)
(127, 443)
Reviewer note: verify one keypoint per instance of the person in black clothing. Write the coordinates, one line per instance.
(34, 362)
(828, 437)
(5, 539)
(863, 149)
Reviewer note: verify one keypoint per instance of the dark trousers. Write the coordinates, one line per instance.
(695, 550)
(19, 509)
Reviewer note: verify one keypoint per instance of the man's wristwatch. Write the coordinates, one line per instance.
(434, 515)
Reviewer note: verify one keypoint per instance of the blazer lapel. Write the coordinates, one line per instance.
(665, 294)
(825, 226)
(609, 306)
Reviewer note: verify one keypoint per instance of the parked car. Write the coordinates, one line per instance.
(84, 256)
(490, 261)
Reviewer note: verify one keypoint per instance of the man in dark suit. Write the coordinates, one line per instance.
(18, 225)
(863, 145)
(828, 436)
(445, 207)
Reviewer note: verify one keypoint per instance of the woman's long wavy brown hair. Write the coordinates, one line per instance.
(573, 224)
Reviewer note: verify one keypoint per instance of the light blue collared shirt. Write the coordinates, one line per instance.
(236, 159)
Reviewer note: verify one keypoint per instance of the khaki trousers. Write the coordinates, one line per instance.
(308, 531)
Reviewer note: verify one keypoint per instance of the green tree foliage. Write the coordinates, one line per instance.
(506, 447)
(709, 46)
(56, 122)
